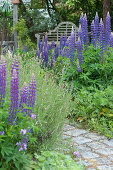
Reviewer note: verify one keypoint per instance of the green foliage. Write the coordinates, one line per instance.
(23, 37)
(94, 74)
(54, 160)
(95, 109)
(51, 108)
(91, 88)
(10, 157)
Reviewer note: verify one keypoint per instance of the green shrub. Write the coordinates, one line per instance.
(56, 161)
(95, 109)
(94, 74)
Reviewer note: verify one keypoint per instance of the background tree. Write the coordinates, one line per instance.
(106, 8)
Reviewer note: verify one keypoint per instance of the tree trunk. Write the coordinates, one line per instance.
(3, 34)
(106, 8)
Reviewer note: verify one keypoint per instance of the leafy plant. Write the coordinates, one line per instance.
(54, 160)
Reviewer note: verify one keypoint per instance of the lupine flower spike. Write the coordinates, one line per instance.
(108, 29)
(71, 45)
(2, 80)
(14, 97)
(26, 48)
(61, 43)
(80, 33)
(102, 40)
(85, 32)
(79, 50)
(32, 94)
(56, 52)
(97, 29)
(93, 34)
(24, 98)
(15, 66)
(53, 59)
(81, 19)
(111, 40)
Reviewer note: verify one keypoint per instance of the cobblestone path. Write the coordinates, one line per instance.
(95, 150)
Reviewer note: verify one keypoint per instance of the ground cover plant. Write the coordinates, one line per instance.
(32, 112)
(85, 66)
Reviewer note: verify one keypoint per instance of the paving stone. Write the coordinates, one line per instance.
(94, 136)
(81, 140)
(75, 132)
(108, 142)
(68, 127)
(110, 157)
(102, 161)
(83, 148)
(89, 154)
(85, 162)
(65, 137)
(105, 151)
(104, 167)
(96, 145)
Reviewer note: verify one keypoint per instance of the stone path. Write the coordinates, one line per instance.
(95, 150)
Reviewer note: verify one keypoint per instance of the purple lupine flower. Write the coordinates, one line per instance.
(78, 67)
(81, 19)
(85, 32)
(76, 154)
(102, 40)
(32, 93)
(71, 45)
(33, 116)
(108, 29)
(24, 97)
(15, 66)
(46, 54)
(26, 48)
(111, 40)
(52, 45)
(39, 43)
(80, 33)
(56, 52)
(93, 34)
(79, 50)
(46, 39)
(14, 97)
(1, 132)
(52, 59)
(43, 53)
(2, 80)
(96, 20)
(42, 45)
(61, 43)
(23, 131)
